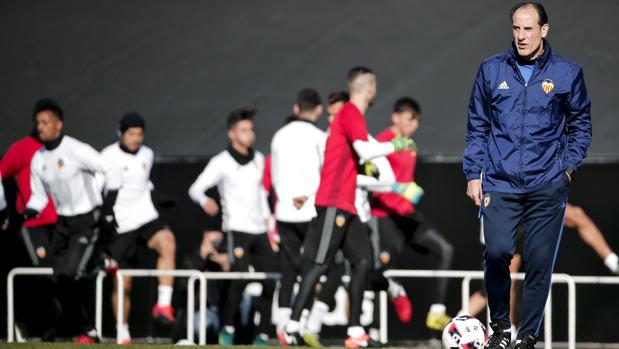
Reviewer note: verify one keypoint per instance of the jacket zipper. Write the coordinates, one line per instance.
(524, 113)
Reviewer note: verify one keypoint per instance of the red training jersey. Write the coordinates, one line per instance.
(403, 165)
(338, 178)
(16, 164)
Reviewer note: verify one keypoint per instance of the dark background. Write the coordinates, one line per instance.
(186, 65)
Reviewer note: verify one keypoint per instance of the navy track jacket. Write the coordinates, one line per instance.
(525, 136)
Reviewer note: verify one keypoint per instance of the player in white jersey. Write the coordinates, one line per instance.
(297, 152)
(237, 173)
(64, 168)
(138, 221)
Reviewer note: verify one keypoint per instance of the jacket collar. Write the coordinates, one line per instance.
(540, 62)
(240, 158)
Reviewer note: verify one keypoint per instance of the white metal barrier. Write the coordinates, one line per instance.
(192, 275)
(195, 275)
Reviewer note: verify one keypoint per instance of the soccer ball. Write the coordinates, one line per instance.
(464, 332)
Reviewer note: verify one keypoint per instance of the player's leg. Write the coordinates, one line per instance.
(290, 264)
(357, 249)
(37, 242)
(238, 251)
(264, 259)
(164, 243)
(427, 240)
(543, 217)
(325, 300)
(501, 214)
(577, 218)
(323, 239)
(123, 248)
(392, 242)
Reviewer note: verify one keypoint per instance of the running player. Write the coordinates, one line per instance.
(347, 144)
(237, 172)
(64, 168)
(398, 221)
(297, 152)
(138, 221)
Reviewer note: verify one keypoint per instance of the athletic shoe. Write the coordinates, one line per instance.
(500, 338)
(164, 313)
(363, 341)
(403, 307)
(312, 340)
(85, 338)
(528, 342)
(290, 338)
(225, 337)
(437, 320)
(260, 340)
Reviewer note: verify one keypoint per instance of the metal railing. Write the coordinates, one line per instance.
(202, 277)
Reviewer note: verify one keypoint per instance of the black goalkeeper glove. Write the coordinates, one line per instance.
(107, 220)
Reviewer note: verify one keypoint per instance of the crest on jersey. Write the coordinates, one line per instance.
(239, 252)
(548, 85)
(486, 200)
(340, 220)
(41, 252)
(145, 167)
(384, 257)
(60, 164)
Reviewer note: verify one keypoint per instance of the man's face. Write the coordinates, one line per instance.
(132, 138)
(405, 122)
(242, 133)
(332, 109)
(528, 34)
(372, 91)
(49, 126)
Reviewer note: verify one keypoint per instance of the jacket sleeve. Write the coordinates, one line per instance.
(12, 162)
(578, 116)
(210, 177)
(478, 127)
(38, 199)
(91, 160)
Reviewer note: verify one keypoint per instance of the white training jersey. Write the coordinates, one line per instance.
(2, 198)
(66, 173)
(297, 154)
(244, 203)
(134, 206)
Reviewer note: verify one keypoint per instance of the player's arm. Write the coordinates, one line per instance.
(478, 132)
(210, 177)
(12, 162)
(38, 199)
(578, 124)
(2, 202)
(370, 150)
(91, 160)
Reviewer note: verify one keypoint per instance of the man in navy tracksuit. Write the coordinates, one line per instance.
(529, 128)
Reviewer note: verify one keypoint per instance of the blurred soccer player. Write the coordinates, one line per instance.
(64, 168)
(237, 172)
(139, 223)
(400, 223)
(297, 152)
(347, 144)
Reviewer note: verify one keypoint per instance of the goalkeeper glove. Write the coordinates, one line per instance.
(408, 190)
(401, 143)
(369, 169)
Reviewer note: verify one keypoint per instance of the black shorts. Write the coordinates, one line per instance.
(124, 247)
(334, 229)
(73, 245)
(292, 236)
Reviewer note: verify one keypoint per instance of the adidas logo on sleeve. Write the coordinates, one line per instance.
(504, 86)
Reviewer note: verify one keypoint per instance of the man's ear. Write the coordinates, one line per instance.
(295, 109)
(545, 29)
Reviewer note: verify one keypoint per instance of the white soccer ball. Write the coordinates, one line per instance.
(464, 332)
